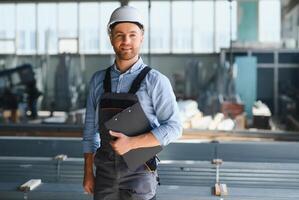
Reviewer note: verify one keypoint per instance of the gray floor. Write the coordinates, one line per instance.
(263, 170)
(48, 191)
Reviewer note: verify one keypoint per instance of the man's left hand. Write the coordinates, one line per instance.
(122, 143)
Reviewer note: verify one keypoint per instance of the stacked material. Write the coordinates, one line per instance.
(193, 118)
(63, 191)
(238, 176)
(76, 117)
(46, 168)
(59, 117)
(250, 170)
(178, 172)
(261, 115)
(261, 109)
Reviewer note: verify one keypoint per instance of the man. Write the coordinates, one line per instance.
(113, 90)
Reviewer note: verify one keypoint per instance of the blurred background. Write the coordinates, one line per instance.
(233, 65)
(223, 55)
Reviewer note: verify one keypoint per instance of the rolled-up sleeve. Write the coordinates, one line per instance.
(90, 136)
(167, 112)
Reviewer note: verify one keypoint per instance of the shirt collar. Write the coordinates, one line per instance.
(138, 65)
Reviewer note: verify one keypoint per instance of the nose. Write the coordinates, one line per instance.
(126, 39)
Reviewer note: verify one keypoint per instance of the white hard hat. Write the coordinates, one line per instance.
(125, 14)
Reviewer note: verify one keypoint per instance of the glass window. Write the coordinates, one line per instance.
(89, 28)
(26, 29)
(160, 27)
(47, 28)
(7, 46)
(182, 26)
(7, 28)
(7, 22)
(269, 20)
(203, 38)
(142, 6)
(223, 23)
(67, 20)
(68, 45)
(106, 8)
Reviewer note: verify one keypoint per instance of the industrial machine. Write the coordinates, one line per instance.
(18, 85)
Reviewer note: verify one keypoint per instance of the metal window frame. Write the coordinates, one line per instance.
(100, 51)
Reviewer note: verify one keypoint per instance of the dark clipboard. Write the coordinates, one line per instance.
(132, 121)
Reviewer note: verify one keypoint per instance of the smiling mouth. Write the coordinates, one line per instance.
(126, 49)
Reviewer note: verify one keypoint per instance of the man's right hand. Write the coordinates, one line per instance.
(89, 179)
(89, 183)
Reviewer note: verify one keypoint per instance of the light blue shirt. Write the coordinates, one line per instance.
(155, 96)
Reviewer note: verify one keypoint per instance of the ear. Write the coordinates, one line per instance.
(142, 36)
(110, 37)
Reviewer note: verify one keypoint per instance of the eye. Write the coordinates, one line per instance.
(118, 35)
(133, 35)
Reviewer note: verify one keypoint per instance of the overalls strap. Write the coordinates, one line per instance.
(135, 85)
(137, 82)
(107, 81)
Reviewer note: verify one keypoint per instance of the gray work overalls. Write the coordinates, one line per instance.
(114, 181)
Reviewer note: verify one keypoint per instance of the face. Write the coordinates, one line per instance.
(126, 39)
